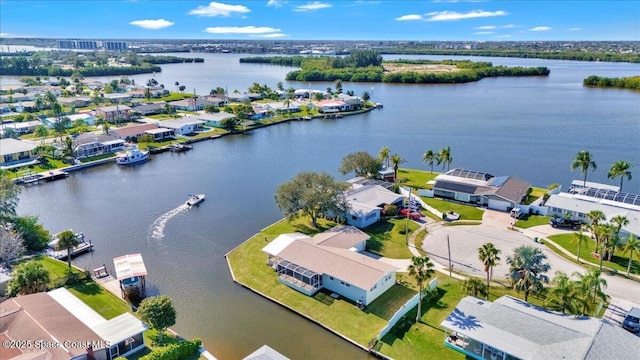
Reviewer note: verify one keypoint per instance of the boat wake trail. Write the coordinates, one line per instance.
(157, 228)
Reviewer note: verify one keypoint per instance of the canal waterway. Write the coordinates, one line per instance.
(527, 127)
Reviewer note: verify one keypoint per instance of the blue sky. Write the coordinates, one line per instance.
(445, 20)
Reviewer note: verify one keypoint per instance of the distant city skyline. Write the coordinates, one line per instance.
(437, 20)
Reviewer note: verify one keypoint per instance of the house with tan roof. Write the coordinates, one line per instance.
(332, 260)
(59, 326)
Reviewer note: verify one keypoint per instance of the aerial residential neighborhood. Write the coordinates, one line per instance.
(273, 180)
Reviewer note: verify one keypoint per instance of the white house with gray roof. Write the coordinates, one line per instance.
(182, 126)
(510, 328)
(330, 260)
(15, 153)
(496, 192)
(366, 203)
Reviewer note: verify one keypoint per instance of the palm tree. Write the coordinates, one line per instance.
(366, 97)
(620, 169)
(584, 161)
(429, 157)
(41, 131)
(488, 254)
(563, 295)
(580, 238)
(39, 102)
(67, 240)
(595, 216)
(396, 160)
(384, 154)
(594, 283)
(147, 94)
(632, 245)
(526, 270)
(618, 221)
(444, 157)
(603, 234)
(421, 269)
(68, 150)
(473, 285)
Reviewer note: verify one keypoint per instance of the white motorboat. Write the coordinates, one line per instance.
(132, 156)
(195, 199)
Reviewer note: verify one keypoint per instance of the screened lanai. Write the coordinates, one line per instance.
(298, 277)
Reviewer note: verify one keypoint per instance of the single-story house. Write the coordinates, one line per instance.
(75, 101)
(182, 126)
(330, 106)
(510, 328)
(283, 107)
(580, 200)
(496, 192)
(16, 153)
(140, 93)
(86, 117)
(215, 119)
(244, 97)
(217, 100)
(160, 134)
(71, 328)
(351, 102)
(115, 112)
(88, 144)
(330, 260)
(189, 104)
(150, 109)
(259, 113)
(117, 97)
(129, 133)
(367, 202)
(21, 128)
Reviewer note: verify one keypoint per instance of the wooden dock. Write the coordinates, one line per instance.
(30, 179)
(82, 248)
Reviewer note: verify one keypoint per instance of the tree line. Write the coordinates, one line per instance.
(18, 66)
(632, 82)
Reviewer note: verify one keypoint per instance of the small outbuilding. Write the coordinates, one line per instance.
(131, 272)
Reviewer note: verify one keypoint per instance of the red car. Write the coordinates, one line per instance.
(412, 215)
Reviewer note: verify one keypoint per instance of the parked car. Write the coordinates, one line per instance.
(412, 214)
(631, 322)
(565, 223)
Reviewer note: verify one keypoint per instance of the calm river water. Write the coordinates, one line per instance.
(527, 127)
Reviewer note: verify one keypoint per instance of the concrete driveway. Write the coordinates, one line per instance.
(466, 239)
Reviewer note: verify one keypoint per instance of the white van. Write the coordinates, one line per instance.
(516, 213)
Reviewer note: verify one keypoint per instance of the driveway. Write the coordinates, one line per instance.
(466, 239)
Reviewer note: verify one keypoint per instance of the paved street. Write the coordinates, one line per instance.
(466, 239)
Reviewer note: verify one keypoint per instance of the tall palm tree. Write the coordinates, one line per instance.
(632, 245)
(620, 169)
(42, 132)
(444, 157)
(580, 238)
(603, 234)
(384, 155)
(592, 281)
(396, 160)
(39, 102)
(563, 295)
(421, 269)
(488, 254)
(429, 157)
(618, 222)
(584, 161)
(67, 240)
(527, 268)
(366, 97)
(68, 150)
(595, 216)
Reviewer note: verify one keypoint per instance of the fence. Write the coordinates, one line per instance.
(405, 192)
(413, 302)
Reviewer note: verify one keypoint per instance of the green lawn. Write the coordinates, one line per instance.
(420, 239)
(249, 266)
(467, 212)
(57, 269)
(388, 238)
(100, 299)
(618, 261)
(527, 221)
(416, 179)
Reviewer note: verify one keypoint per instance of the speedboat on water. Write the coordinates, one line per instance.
(195, 199)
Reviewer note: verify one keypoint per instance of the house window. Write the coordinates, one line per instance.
(353, 217)
(341, 282)
(330, 277)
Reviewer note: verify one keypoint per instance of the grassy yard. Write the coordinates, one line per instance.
(618, 261)
(57, 269)
(420, 239)
(100, 299)
(528, 221)
(388, 238)
(417, 179)
(466, 212)
(250, 268)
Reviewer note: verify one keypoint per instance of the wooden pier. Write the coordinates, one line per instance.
(82, 248)
(30, 178)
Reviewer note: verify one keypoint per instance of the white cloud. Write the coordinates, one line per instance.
(312, 6)
(152, 24)
(483, 32)
(409, 17)
(274, 35)
(508, 26)
(504, 36)
(574, 29)
(487, 27)
(10, 35)
(275, 3)
(540, 28)
(218, 9)
(453, 15)
(241, 30)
